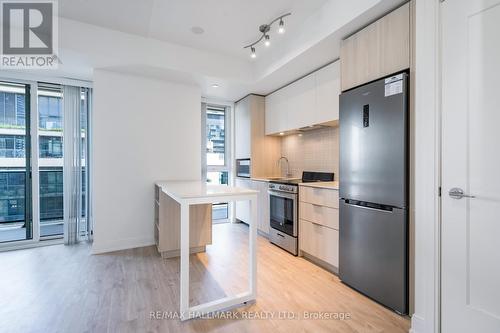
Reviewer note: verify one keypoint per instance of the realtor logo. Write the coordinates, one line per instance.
(29, 34)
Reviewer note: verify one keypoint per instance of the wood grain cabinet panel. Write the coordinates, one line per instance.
(319, 196)
(380, 49)
(167, 226)
(326, 216)
(251, 140)
(319, 224)
(320, 241)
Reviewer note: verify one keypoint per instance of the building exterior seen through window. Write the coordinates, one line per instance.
(218, 170)
(216, 136)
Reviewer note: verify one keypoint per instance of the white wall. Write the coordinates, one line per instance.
(143, 130)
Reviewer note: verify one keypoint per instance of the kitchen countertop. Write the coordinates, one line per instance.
(198, 189)
(328, 185)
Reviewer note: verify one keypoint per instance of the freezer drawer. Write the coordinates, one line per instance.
(373, 253)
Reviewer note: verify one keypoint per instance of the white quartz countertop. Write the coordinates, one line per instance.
(328, 185)
(199, 189)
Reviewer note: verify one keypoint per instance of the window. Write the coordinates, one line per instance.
(51, 147)
(216, 138)
(217, 153)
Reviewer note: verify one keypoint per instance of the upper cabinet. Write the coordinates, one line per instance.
(380, 49)
(250, 138)
(327, 93)
(242, 129)
(312, 100)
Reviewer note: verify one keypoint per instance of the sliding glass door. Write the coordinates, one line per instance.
(15, 165)
(50, 160)
(44, 163)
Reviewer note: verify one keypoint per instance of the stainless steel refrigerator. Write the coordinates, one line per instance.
(373, 254)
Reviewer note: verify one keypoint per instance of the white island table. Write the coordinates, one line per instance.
(188, 193)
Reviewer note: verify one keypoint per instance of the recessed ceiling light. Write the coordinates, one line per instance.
(282, 133)
(215, 85)
(197, 30)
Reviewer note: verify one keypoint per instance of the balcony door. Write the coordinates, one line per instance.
(50, 160)
(33, 183)
(16, 222)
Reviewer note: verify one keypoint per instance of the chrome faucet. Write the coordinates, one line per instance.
(288, 174)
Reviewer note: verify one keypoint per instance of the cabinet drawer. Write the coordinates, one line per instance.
(319, 196)
(319, 241)
(327, 216)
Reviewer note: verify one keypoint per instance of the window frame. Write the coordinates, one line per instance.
(228, 140)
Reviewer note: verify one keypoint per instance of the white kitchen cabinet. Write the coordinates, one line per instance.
(242, 129)
(275, 106)
(263, 201)
(301, 102)
(312, 100)
(327, 101)
(242, 209)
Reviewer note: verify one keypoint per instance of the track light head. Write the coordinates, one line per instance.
(267, 40)
(253, 54)
(281, 27)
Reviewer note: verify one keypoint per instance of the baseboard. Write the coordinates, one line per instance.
(121, 244)
(417, 324)
(319, 262)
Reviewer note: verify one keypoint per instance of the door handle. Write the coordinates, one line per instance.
(458, 193)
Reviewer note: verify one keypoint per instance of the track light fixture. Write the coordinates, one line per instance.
(264, 29)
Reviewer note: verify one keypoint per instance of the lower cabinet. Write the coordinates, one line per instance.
(319, 224)
(167, 225)
(320, 241)
(242, 208)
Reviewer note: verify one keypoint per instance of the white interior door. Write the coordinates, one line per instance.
(471, 162)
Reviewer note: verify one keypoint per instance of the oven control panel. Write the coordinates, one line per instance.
(283, 187)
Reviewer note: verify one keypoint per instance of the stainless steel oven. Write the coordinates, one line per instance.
(283, 204)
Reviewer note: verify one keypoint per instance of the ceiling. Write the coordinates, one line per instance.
(228, 24)
(154, 38)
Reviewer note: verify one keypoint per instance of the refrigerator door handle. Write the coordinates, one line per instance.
(390, 210)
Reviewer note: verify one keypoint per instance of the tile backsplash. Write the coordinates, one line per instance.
(316, 150)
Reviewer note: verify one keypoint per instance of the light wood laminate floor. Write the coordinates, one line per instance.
(66, 289)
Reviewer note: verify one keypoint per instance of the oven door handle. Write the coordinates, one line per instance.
(292, 196)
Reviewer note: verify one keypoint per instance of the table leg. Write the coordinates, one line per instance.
(252, 262)
(184, 279)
